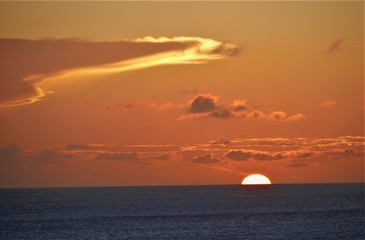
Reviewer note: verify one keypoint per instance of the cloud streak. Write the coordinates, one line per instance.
(49, 59)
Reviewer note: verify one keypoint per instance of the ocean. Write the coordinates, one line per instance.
(296, 211)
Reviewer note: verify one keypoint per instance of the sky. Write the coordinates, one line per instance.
(180, 93)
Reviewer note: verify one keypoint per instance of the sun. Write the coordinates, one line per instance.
(256, 179)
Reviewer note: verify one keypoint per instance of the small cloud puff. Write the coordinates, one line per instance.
(205, 106)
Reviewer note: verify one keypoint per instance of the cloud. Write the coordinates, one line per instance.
(335, 46)
(205, 159)
(10, 153)
(52, 154)
(239, 105)
(241, 155)
(238, 155)
(327, 103)
(345, 153)
(257, 115)
(205, 106)
(283, 116)
(133, 105)
(122, 156)
(79, 147)
(26, 63)
(203, 103)
(267, 157)
(303, 155)
(223, 142)
(278, 115)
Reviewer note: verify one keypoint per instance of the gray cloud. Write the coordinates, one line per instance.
(345, 153)
(203, 103)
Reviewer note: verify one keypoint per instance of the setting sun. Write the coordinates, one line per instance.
(255, 179)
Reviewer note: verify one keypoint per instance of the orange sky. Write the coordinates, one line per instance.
(165, 93)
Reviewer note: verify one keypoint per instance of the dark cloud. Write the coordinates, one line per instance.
(123, 156)
(10, 153)
(238, 155)
(203, 103)
(205, 158)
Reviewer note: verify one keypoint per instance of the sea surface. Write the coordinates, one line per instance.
(308, 211)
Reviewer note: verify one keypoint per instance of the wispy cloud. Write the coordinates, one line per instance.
(47, 59)
(240, 150)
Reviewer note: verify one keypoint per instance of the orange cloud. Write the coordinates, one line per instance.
(26, 63)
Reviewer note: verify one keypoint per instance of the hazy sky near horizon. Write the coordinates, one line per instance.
(159, 93)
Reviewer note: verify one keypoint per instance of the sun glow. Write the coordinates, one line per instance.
(256, 179)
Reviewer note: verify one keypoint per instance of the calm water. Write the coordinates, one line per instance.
(322, 211)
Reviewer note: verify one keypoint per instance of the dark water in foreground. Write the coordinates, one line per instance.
(322, 211)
